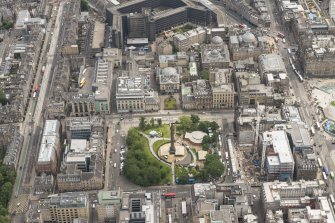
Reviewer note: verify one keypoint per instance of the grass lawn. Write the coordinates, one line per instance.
(163, 166)
(170, 104)
(164, 129)
(158, 144)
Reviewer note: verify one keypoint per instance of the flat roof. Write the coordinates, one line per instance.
(280, 145)
(47, 149)
(137, 41)
(51, 127)
(98, 35)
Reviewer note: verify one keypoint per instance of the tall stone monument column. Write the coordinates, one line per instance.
(172, 147)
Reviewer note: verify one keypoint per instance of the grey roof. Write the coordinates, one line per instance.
(271, 63)
(217, 40)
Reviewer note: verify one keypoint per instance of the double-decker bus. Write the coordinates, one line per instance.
(169, 195)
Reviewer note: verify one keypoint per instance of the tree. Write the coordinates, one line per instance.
(7, 24)
(195, 118)
(214, 126)
(213, 166)
(152, 122)
(204, 74)
(142, 123)
(185, 123)
(206, 141)
(182, 176)
(203, 126)
(3, 99)
(84, 5)
(159, 122)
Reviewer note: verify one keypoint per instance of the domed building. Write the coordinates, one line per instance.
(248, 45)
(215, 55)
(169, 79)
(248, 38)
(217, 40)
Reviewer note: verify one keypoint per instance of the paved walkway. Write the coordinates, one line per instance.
(151, 146)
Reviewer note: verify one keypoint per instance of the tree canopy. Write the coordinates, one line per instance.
(140, 166)
(213, 168)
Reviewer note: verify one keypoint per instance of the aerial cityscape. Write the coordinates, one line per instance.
(167, 111)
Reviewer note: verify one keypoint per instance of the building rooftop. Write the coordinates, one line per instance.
(47, 149)
(169, 75)
(275, 191)
(51, 127)
(130, 86)
(70, 199)
(280, 145)
(271, 63)
(110, 197)
(102, 72)
(98, 35)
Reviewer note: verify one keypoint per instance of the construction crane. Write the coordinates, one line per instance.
(256, 129)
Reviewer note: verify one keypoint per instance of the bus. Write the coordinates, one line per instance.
(281, 35)
(318, 126)
(324, 176)
(227, 156)
(320, 162)
(183, 208)
(332, 199)
(36, 88)
(325, 169)
(169, 195)
(301, 79)
(293, 67)
(82, 83)
(312, 130)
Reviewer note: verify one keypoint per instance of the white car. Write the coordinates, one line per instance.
(115, 150)
(114, 165)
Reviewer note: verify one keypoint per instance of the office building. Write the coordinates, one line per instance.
(50, 148)
(102, 86)
(64, 208)
(179, 59)
(186, 40)
(279, 162)
(299, 136)
(83, 160)
(79, 128)
(138, 207)
(251, 91)
(276, 216)
(135, 95)
(323, 213)
(271, 64)
(145, 18)
(283, 195)
(306, 166)
(317, 56)
(222, 88)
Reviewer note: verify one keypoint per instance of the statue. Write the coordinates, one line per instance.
(172, 147)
